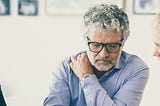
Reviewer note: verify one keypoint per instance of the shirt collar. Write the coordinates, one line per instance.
(122, 60)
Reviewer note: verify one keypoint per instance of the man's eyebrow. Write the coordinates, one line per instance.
(157, 44)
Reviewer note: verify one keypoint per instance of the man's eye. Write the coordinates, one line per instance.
(96, 44)
(113, 45)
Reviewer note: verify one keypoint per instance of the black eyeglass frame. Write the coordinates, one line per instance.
(104, 45)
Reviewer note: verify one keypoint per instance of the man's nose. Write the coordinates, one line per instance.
(104, 52)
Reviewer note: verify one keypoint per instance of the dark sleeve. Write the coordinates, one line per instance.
(2, 101)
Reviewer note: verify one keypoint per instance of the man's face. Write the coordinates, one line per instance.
(104, 60)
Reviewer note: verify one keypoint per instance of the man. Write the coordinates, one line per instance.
(156, 35)
(104, 75)
(2, 101)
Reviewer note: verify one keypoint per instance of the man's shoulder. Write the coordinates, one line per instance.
(133, 59)
(134, 65)
(67, 60)
(64, 66)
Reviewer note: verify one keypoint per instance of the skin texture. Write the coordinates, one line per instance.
(157, 50)
(102, 61)
(156, 40)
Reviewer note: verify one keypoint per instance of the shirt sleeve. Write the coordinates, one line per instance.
(129, 94)
(59, 90)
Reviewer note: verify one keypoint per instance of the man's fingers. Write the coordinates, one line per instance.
(73, 60)
(71, 64)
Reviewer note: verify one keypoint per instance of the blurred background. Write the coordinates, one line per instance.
(33, 40)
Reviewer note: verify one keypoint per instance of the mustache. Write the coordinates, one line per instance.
(104, 59)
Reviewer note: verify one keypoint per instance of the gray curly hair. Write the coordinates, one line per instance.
(106, 17)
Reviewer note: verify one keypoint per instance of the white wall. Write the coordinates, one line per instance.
(31, 47)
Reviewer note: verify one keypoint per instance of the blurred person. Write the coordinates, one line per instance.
(104, 74)
(2, 100)
(156, 35)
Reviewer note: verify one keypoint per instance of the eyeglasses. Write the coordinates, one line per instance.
(110, 47)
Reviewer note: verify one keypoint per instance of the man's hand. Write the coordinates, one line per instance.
(81, 66)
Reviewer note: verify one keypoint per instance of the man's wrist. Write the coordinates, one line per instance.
(86, 76)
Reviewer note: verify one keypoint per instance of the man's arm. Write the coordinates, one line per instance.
(59, 91)
(129, 94)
